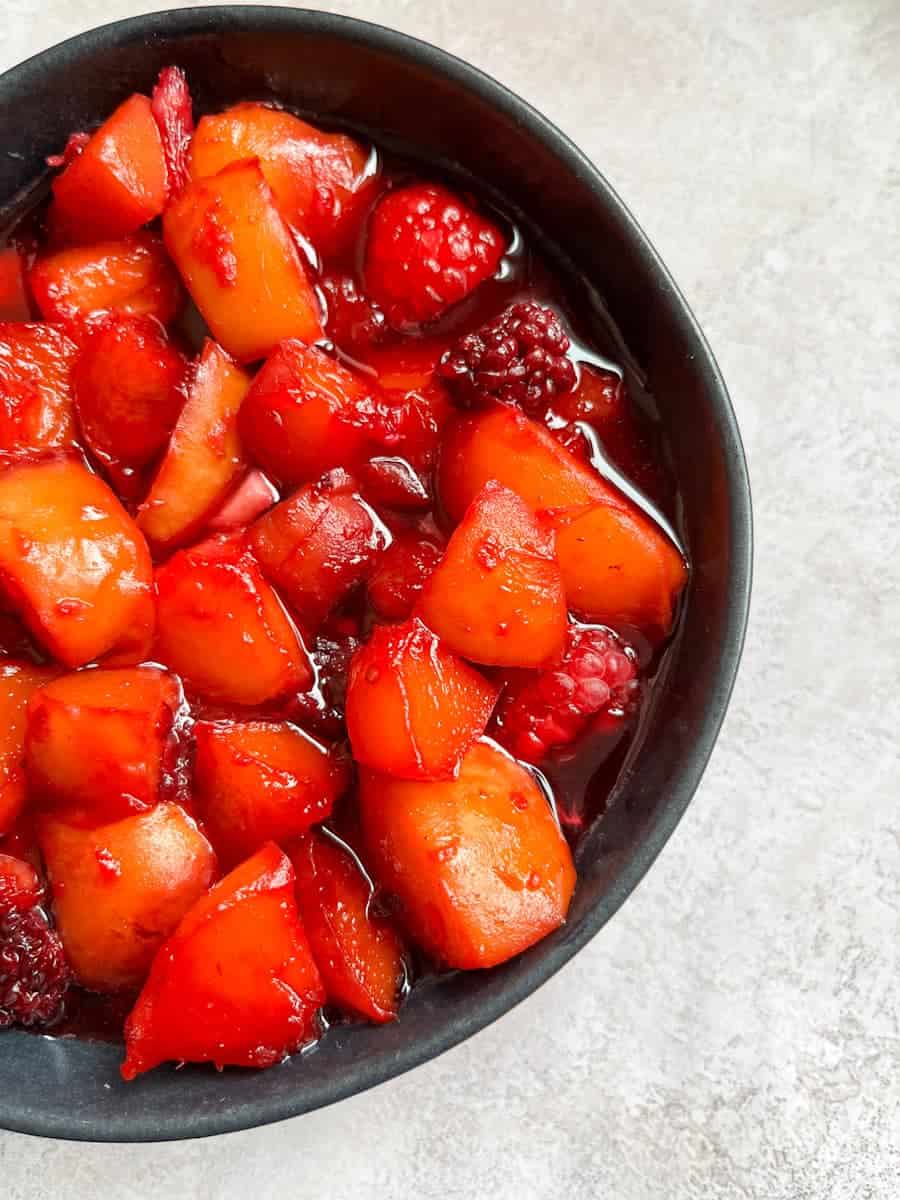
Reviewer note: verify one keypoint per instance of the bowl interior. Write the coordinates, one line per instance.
(415, 98)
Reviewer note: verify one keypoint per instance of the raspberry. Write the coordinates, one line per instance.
(520, 358)
(542, 710)
(34, 974)
(426, 251)
(354, 322)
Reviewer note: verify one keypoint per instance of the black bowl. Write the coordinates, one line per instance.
(411, 96)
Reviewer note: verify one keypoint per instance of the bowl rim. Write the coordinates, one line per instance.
(360, 1077)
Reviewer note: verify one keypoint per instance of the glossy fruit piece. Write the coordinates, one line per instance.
(172, 110)
(73, 563)
(359, 955)
(619, 568)
(204, 458)
(127, 382)
(322, 182)
(36, 409)
(500, 443)
(18, 682)
(257, 781)
(235, 984)
(353, 322)
(14, 302)
(119, 890)
(240, 263)
(497, 596)
(133, 276)
(95, 742)
(396, 583)
(426, 250)
(118, 181)
(20, 887)
(316, 546)
(478, 863)
(253, 496)
(305, 413)
(413, 707)
(223, 629)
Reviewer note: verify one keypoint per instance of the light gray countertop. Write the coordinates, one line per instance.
(734, 1031)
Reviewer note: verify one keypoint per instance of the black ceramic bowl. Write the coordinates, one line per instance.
(413, 97)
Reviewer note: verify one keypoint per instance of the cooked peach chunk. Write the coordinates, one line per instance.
(305, 413)
(73, 562)
(257, 781)
(118, 181)
(359, 955)
(318, 545)
(18, 680)
(95, 742)
(497, 594)
(204, 458)
(321, 181)
(236, 983)
(133, 276)
(119, 890)
(618, 566)
(240, 264)
(478, 863)
(127, 382)
(253, 496)
(223, 629)
(36, 410)
(413, 707)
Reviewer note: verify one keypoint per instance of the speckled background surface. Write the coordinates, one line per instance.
(734, 1032)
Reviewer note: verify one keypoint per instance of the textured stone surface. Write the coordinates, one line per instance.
(734, 1031)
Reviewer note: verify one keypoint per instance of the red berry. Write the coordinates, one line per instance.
(542, 710)
(354, 322)
(520, 358)
(427, 250)
(34, 974)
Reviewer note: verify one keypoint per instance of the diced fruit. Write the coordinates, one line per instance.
(34, 975)
(396, 583)
(497, 594)
(18, 681)
(223, 629)
(413, 707)
(521, 357)
(173, 112)
(19, 884)
(502, 444)
(73, 562)
(478, 863)
(322, 710)
(305, 413)
(253, 496)
(127, 382)
(619, 568)
(322, 182)
(36, 410)
(427, 249)
(353, 322)
(258, 781)
(204, 458)
(131, 276)
(95, 742)
(240, 264)
(359, 955)
(316, 546)
(14, 302)
(118, 181)
(119, 890)
(595, 678)
(235, 984)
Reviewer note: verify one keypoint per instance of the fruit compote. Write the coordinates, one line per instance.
(335, 569)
